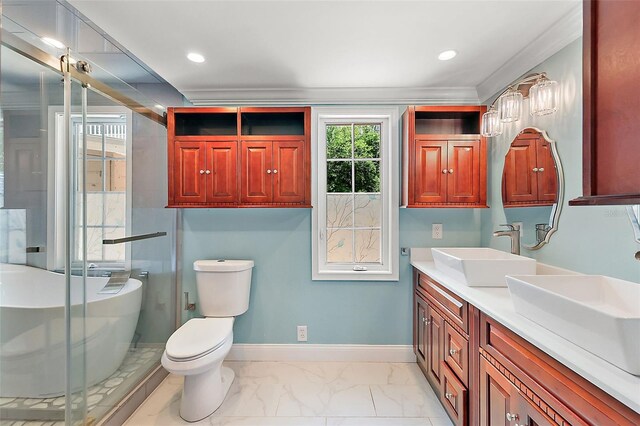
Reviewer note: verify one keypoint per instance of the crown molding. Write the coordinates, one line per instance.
(559, 35)
(335, 96)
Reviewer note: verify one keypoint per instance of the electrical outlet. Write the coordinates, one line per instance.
(302, 333)
(436, 231)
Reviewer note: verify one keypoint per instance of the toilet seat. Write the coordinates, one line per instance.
(198, 337)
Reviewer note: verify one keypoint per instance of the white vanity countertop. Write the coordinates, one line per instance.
(496, 302)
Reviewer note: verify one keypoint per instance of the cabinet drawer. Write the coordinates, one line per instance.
(456, 353)
(454, 396)
(456, 309)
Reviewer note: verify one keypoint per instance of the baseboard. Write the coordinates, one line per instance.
(305, 352)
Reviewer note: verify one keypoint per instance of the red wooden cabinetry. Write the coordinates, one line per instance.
(205, 172)
(273, 172)
(611, 103)
(445, 158)
(239, 157)
(529, 177)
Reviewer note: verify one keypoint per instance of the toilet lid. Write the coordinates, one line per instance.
(198, 337)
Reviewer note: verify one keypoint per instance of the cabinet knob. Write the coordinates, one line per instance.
(448, 395)
(208, 172)
(275, 171)
(541, 169)
(535, 170)
(201, 172)
(511, 417)
(450, 171)
(445, 171)
(268, 172)
(452, 352)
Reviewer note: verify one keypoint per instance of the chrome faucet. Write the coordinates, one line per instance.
(514, 234)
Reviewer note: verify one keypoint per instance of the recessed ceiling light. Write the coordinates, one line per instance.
(53, 42)
(447, 54)
(195, 57)
(158, 106)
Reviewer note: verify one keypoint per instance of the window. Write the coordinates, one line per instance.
(355, 215)
(108, 185)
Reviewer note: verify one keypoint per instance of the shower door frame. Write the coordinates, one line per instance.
(129, 403)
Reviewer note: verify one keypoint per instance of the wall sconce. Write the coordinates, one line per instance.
(507, 108)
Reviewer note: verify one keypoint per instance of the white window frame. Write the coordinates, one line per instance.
(389, 188)
(57, 191)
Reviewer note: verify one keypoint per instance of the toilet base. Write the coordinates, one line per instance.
(204, 393)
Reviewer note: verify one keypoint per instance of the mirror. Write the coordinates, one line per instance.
(634, 217)
(533, 186)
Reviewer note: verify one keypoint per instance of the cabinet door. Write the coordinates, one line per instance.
(256, 180)
(189, 179)
(222, 178)
(519, 177)
(528, 414)
(421, 331)
(547, 174)
(498, 397)
(435, 346)
(288, 171)
(463, 179)
(431, 171)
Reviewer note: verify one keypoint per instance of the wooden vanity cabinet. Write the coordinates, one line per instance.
(445, 158)
(440, 324)
(239, 157)
(489, 376)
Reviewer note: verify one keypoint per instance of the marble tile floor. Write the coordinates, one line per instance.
(308, 394)
(101, 397)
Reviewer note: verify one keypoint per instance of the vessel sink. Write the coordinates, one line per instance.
(481, 267)
(597, 313)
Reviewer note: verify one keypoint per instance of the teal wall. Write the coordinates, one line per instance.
(593, 240)
(596, 240)
(282, 292)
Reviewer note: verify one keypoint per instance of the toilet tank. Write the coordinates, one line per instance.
(223, 286)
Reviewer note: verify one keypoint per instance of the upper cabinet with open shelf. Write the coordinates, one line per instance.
(444, 157)
(239, 157)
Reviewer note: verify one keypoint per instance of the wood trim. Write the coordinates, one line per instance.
(450, 108)
(604, 200)
(447, 205)
(551, 381)
(200, 110)
(589, 98)
(474, 365)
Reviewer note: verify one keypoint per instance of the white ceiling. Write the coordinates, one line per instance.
(318, 49)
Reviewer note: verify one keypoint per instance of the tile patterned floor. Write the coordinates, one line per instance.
(101, 397)
(308, 394)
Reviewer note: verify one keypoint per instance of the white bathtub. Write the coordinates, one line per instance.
(32, 330)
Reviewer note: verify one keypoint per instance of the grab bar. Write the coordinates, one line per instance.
(134, 238)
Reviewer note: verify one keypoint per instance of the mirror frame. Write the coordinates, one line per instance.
(635, 221)
(554, 217)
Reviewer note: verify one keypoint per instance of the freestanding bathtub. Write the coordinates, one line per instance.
(32, 330)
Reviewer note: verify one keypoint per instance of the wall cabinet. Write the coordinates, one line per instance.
(610, 104)
(205, 172)
(529, 177)
(273, 172)
(489, 376)
(239, 157)
(445, 158)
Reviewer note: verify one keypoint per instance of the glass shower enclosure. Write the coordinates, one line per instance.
(87, 268)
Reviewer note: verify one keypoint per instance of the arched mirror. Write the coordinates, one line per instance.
(533, 186)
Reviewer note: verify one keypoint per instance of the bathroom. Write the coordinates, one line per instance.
(359, 332)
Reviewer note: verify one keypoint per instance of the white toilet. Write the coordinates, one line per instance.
(196, 350)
